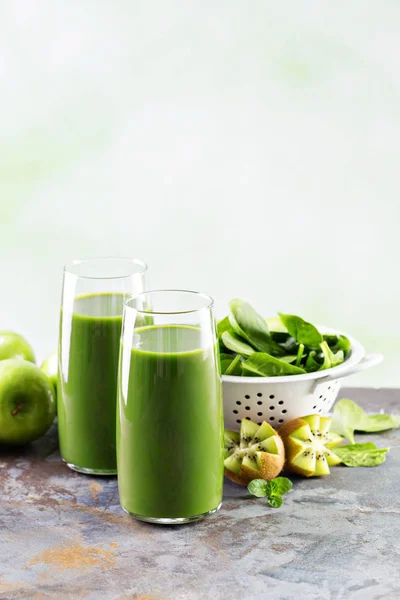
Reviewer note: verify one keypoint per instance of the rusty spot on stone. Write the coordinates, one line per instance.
(72, 555)
(95, 489)
(282, 547)
(6, 586)
(113, 544)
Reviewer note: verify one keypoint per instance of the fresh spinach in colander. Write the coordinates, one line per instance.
(290, 346)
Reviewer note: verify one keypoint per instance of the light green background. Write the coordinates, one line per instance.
(241, 148)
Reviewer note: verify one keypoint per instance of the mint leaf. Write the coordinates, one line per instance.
(279, 485)
(273, 490)
(361, 455)
(258, 487)
(275, 500)
(348, 417)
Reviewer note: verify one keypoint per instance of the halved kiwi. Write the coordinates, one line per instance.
(254, 452)
(308, 444)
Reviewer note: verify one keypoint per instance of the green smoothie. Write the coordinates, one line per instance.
(169, 425)
(87, 382)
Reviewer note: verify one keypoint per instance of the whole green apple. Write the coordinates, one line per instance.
(50, 367)
(27, 404)
(13, 345)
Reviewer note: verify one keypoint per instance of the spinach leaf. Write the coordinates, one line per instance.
(348, 417)
(280, 336)
(338, 342)
(344, 344)
(223, 325)
(331, 338)
(330, 359)
(248, 324)
(299, 356)
(361, 455)
(233, 342)
(265, 365)
(290, 345)
(234, 368)
(311, 363)
(304, 332)
(225, 360)
(290, 358)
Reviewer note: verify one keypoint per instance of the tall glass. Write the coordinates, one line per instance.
(93, 295)
(169, 415)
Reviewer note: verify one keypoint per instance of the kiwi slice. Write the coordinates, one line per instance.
(254, 452)
(308, 443)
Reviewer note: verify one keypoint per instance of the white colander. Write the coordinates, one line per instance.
(279, 399)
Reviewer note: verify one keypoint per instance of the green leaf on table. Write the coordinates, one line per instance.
(304, 332)
(275, 501)
(250, 326)
(258, 487)
(279, 485)
(361, 455)
(265, 365)
(348, 417)
(233, 342)
(330, 359)
(234, 368)
(273, 490)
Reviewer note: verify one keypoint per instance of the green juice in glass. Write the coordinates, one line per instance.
(87, 382)
(169, 425)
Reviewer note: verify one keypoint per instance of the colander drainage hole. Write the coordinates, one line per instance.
(238, 402)
(284, 411)
(314, 407)
(238, 421)
(235, 412)
(259, 402)
(272, 418)
(259, 414)
(272, 408)
(320, 397)
(259, 394)
(248, 418)
(329, 387)
(271, 397)
(247, 397)
(247, 407)
(280, 402)
(281, 421)
(259, 423)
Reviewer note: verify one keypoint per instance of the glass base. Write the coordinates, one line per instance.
(105, 472)
(172, 520)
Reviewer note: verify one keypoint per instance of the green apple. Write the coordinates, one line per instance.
(13, 345)
(50, 367)
(27, 403)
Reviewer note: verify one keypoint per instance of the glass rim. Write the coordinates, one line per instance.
(174, 312)
(140, 264)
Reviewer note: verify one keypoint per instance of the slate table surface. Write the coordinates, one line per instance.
(64, 535)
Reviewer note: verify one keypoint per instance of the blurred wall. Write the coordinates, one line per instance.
(243, 149)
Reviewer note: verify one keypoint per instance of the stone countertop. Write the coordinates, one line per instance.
(64, 535)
